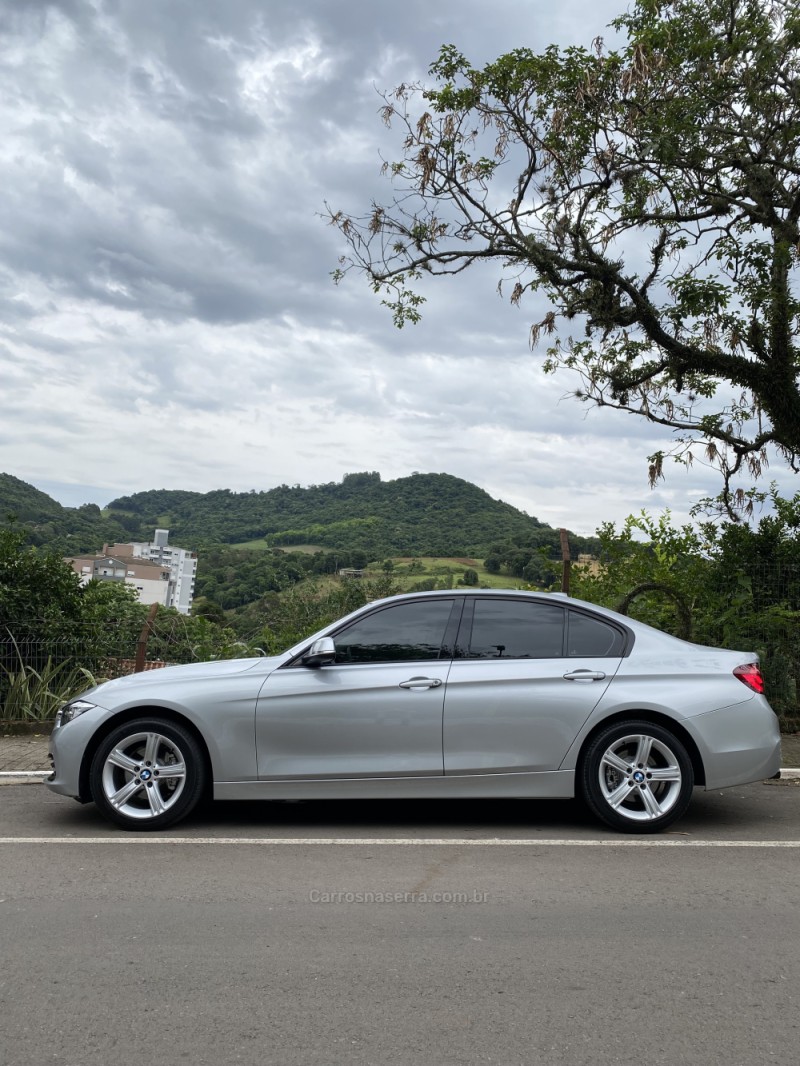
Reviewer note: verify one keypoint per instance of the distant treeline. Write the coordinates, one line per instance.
(360, 520)
(424, 514)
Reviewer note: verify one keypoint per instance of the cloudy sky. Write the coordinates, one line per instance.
(167, 318)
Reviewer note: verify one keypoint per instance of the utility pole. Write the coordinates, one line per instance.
(566, 560)
(141, 644)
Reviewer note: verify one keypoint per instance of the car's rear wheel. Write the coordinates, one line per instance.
(148, 774)
(636, 776)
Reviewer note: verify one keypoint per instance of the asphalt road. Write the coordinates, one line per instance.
(452, 933)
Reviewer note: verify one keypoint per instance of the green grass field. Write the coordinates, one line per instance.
(262, 545)
(410, 571)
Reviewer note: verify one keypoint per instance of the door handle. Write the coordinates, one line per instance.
(585, 675)
(421, 682)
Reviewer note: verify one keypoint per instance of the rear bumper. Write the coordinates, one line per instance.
(738, 744)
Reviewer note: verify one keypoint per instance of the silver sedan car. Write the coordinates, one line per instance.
(428, 695)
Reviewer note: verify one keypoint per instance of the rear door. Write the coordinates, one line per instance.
(526, 676)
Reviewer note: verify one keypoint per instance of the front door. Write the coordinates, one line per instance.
(375, 712)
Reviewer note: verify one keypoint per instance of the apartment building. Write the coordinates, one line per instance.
(182, 566)
(151, 580)
(179, 565)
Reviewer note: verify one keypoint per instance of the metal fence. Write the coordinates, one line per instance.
(43, 661)
(35, 642)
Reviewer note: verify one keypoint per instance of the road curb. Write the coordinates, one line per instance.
(787, 775)
(23, 777)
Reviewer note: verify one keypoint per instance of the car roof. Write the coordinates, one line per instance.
(521, 593)
(462, 591)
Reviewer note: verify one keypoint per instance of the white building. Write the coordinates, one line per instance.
(179, 566)
(151, 580)
(182, 567)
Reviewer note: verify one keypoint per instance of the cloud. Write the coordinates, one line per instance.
(168, 317)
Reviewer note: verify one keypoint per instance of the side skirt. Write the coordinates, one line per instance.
(551, 784)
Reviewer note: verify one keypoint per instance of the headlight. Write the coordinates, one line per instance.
(71, 710)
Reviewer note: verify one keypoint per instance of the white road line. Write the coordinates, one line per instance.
(408, 842)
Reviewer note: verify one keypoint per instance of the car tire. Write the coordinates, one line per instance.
(148, 774)
(636, 777)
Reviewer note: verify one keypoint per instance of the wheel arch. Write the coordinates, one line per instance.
(656, 718)
(128, 715)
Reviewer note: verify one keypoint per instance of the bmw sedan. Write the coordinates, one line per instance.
(427, 695)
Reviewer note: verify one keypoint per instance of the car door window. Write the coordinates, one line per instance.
(408, 632)
(592, 637)
(508, 629)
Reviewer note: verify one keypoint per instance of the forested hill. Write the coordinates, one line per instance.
(46, 522)
(424, 514)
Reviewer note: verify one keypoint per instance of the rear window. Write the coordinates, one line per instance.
(592, 637)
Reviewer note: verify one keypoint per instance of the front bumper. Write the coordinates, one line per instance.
(67, 747)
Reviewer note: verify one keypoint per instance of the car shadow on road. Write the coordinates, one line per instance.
(740, 813)
(390, 817)
(376, 818)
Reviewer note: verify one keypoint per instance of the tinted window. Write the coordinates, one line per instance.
(508, 629)
(407, 632)
(590, 636)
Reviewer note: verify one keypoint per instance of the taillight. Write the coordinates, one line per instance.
(751, 676)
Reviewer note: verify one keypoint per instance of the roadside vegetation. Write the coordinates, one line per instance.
(724, 583)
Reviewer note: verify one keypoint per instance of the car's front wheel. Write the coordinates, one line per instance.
(147, 774)
(636, 776)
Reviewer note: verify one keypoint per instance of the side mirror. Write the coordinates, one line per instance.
(320, 653)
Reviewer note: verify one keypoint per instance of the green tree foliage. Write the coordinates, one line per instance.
(303, 610)
(45, 523)
(202, 607)
(108, 627)
(41, 613)
(180, 638)
(34, 584)
(56, 635)
(424, 514)
(650, 194)
(355, 521)
(739, 584)
(649, 551)
(534, 555)
(232, 577)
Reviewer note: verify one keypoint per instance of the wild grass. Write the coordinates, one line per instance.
(31, 695)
